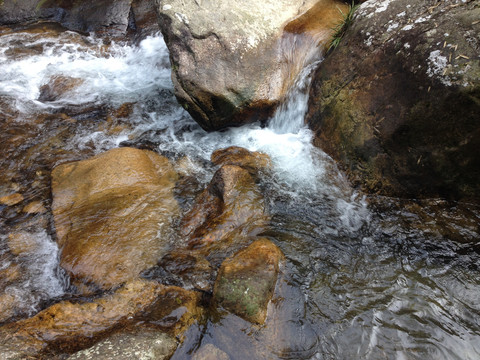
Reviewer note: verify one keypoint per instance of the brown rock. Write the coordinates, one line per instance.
(112, 214)
(58, 86)
(174, 310)
(7, 306)
(69, 327)
(35, 207)
(234, 155)
(246, 281)
(12, 199)
(231, 204)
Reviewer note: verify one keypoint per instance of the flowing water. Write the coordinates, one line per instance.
(365, 277)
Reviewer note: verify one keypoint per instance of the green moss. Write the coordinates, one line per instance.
(246, 297)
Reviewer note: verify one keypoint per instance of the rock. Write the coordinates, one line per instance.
(85, 16)
(174, 310)
(398, 101)
(232, 207)
(143, 18)
(232, 61)
(12, 199)
(22, 242)
(234, 155)
(246, 281)
(186, 269)
(8, 306)
(112, 214)
(71, 325)
(142, 345)
(210, 352)
(35, 207)
(57, 87)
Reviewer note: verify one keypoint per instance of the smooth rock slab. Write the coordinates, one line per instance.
(113, 214)
(246, 281)
(144, 345)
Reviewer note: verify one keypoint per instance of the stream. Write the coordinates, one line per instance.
(366, 277)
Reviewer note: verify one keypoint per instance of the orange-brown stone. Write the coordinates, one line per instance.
(112, 214)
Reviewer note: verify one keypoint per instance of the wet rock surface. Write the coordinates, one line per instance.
(70, 326)
(249, 74)
(142, 345)
(57, 86)
(66, 321)
(246, 281)
(225, 214)
(253, 162)
(210, 352)
(112, 214)
(398, 101)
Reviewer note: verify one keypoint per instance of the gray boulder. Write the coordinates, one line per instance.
(234, 60)
(398, 102)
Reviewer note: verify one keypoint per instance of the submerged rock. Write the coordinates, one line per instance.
(210, 352)
(398, 101)
(57, 86)
(232, 61)
(12, 199)
(112, 214)
(246, 281)
(142, 345)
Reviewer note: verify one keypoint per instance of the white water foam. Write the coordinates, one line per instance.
(40, 279)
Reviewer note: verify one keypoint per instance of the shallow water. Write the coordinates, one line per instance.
(365, 277)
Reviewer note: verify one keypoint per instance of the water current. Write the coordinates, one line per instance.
(367, 277)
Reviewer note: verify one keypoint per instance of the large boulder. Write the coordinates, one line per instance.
(112, 214)
(234, 60)
(398, 102)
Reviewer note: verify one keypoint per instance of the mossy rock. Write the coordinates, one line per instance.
(246, 281)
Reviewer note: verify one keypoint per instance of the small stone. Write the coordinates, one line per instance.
(12, 199)
(35, 207)
(22, 242)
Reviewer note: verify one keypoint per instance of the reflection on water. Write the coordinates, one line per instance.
(391, 279)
